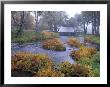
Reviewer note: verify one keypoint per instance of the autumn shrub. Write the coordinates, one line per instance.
(53, 44)
(83, 52)
(81, 70)
(49, 35)
(66, 68)
(26, 61)
(75, 70)
(49, 72)
(73, 42)
(87, 40)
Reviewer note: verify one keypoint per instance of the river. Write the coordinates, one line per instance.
(56, 56)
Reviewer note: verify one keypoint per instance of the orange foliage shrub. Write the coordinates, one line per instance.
(49, 72)
(73, 42)
(49, 35)
(75, 70)
(26, 61)
(53, 44)
(83, 52)
(87, 40)
(81, 71)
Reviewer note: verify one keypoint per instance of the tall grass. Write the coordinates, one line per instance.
(92, 38)
(30, 36)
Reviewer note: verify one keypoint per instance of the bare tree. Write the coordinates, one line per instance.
(37, 14)
(18, 19)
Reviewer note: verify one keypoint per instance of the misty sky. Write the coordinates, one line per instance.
(72, 13)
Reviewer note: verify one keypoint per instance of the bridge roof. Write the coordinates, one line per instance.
(66, 29)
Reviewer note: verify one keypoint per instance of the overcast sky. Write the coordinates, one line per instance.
(70, 13)
(73, 13)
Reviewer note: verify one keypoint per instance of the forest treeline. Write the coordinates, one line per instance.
(52, 20)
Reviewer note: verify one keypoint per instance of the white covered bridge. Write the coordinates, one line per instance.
(66, 31)
(69, 31)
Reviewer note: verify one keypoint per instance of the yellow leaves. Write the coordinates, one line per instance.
(81, 70)
(41, 56)
(83, 52)
(41, 66)
(48, 34)
(76, 70)
(26, 61)
(49, 72)
(22, 55)
(66, 68)
(73, 42)
(53, 44)
(87, 40)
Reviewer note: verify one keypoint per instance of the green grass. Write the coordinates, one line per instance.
(29, 37)
(25, 37)
(93, 62)
(93, 38)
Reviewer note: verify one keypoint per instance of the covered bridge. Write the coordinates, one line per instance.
(66, 31)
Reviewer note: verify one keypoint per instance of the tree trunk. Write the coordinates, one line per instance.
(21, 24)
(36, 20)
(85, 29)
(19, 32)
(92, 29)
(93, 23)
(37, 27)
(55, 28)
(97, 31)
(50, 26)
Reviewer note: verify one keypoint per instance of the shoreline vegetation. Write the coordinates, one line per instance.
(86, 60)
